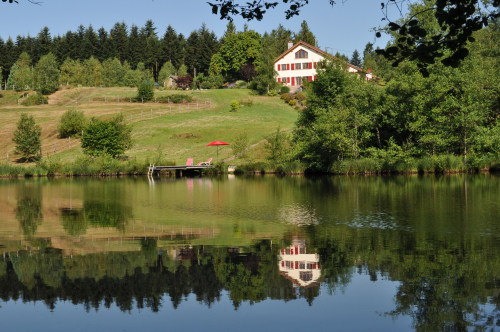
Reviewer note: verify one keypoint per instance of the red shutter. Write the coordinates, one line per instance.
(287, 66)
(288, 79)
(310, 78)
(279, 80)
(296, 250)
(282, 263)
(314, 266)
(315, 65)
(278, 67)
(293, 66)
(296, 265)
(293, 80)
(315, 78)
(310, 65)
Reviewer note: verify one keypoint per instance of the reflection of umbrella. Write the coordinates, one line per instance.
(217, 143)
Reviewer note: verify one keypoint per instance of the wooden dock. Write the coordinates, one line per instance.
(153, 168)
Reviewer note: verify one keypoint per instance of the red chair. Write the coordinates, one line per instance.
(189, 162)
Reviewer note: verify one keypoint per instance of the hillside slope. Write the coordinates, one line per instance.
(180, 132)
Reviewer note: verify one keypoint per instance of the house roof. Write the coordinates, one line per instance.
(317, 50)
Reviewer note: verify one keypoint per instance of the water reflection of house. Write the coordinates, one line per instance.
(299, 266)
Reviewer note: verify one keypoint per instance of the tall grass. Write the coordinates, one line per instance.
(294, 167)
(428, 164)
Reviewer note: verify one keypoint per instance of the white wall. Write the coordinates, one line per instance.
(313, 57)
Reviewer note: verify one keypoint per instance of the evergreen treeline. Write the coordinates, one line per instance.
(87, 56)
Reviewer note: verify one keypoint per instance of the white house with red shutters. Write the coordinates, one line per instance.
(300, 61)
(299, 266)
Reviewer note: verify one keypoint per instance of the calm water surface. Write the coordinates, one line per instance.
(246, 253)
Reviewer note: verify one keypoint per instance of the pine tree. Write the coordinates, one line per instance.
(280, 37)
(356, 59)
(78, 37)
(106, 48)
(193, 53)
(90, 43)
(305, 35)
(170, 47)
(182, 49)
(43, 44)
(10, 59)
(135, 51)
(11, 81)
(230, 30)
(119, 35)
(2, 61)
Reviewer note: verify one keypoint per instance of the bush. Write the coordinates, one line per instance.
(35, 99)
(246, 102)
(193, 86)
(51, 165)
(146, 91)
(106, 137)
(184, 82)
(272, 93)
(300, 96)
(234, 105)
(284, 89)
(240, 144)
(252, 85)
(286, 97)
(206, 85)
(175, 98)
(72, 123)
(292, 102)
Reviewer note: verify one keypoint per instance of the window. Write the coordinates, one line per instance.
(297, 66)
(283, 67)
(301, 54)
(306, 275)
(305, 65)
(302, 250)
(310, 266)
(302, 265)
(298, 80)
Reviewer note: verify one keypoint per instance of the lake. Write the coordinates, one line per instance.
(246, 253)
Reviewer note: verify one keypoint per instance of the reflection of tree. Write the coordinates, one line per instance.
(106, 214)
(73, 221)
(29, 214)
(149, 246)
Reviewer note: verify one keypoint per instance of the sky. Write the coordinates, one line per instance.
(343, 27)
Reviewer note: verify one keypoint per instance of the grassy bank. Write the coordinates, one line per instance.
(156, 128)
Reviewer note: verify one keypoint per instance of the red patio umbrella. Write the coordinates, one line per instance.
(217, 143)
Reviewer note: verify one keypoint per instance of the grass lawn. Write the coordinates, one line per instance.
(179, 135)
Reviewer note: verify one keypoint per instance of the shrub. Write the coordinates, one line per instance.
(240, 144)
(175, 98)
(33, 99)
(193, 86)
(106, 137)
(206, 85)
(146, 91)
(51, 165)
(246, 102)
(292, 102)
(252, 85)
(72, 123)
(234, 105)
(284, 89)
(184, 82)
(286, 97)
(272, 93)
(300, 96)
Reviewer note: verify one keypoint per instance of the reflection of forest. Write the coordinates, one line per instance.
(444, 281)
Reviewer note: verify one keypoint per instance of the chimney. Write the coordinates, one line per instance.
(290, 44)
